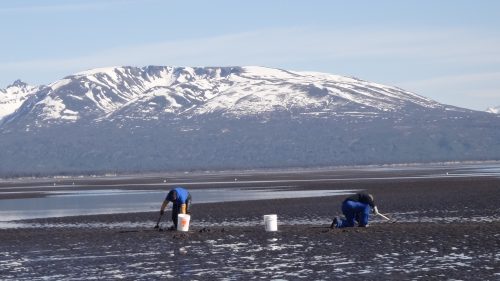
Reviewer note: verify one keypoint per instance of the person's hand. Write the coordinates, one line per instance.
(375, 210)
(162, 212)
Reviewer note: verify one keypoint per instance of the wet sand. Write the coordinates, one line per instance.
(443, 228)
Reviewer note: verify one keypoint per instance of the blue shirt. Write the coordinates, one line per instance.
(182, 195)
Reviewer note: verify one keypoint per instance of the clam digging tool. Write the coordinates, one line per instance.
(383, 216)
(157, 226)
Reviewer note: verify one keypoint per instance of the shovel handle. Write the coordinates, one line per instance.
(384, 216)
(158, 222)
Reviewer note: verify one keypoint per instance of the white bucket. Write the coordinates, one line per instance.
(183, 222)
(271, 222)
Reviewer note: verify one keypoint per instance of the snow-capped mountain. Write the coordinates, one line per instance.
(152, 92)
(495, 110)
(156, 118)
(12, 97)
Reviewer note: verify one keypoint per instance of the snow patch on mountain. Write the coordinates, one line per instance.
(495, 110)
(110, 71)
(58, 84)
(12, 97)
(55, 109)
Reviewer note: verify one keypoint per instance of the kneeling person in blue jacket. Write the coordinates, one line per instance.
(181, 199)
(356, 208)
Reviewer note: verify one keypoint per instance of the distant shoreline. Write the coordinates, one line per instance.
(107, 175)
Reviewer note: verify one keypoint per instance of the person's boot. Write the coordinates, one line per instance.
(334, 223)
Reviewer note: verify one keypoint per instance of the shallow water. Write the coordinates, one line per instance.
(74, 203)
(67, 199)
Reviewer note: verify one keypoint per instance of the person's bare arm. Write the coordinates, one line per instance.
(163, 206)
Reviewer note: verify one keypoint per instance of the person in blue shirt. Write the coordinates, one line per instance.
(356, 208)
(181, 199)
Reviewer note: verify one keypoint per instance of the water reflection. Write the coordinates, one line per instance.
(84, 202)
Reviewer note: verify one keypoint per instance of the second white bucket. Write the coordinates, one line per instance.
(271, 222)
(183, 222)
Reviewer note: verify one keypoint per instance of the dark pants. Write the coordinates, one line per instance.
(355, 211)
(176, 210)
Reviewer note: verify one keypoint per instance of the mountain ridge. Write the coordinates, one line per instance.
(235, 90)
(163, 118)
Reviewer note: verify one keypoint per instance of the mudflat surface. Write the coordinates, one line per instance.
(442, 229)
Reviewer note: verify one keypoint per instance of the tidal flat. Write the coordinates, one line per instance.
(445, 224)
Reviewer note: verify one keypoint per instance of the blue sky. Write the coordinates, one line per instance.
(446, 50)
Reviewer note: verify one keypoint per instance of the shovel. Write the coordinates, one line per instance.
(157, 226)
(382, 215)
